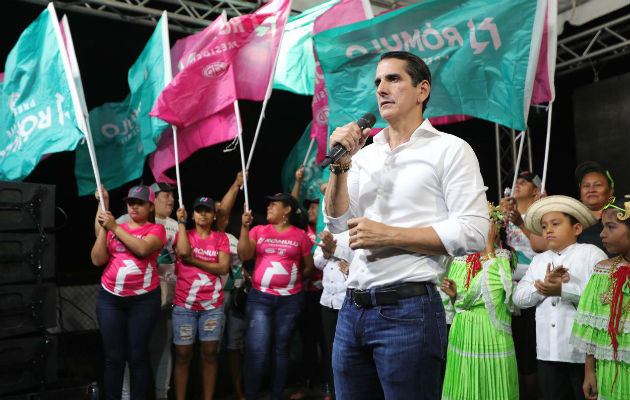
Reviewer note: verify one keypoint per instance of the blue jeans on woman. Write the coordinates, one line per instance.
(126, 325)
(391, 352)
(271, 321)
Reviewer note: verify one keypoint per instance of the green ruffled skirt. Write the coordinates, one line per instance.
(605, 371)
(480, 363)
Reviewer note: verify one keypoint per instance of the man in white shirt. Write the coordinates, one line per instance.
(553, 284)
(412, 196)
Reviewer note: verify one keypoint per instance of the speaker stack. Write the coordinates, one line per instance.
(28, 353)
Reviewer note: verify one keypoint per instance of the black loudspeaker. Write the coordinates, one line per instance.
(27, 363)
(26, 257)
(27, 308)
(24, 206)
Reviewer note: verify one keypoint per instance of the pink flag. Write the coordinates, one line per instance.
(256, 58)
(206, 84)
(217, 128)
(343, 13)
(187, 49)
(544, 90)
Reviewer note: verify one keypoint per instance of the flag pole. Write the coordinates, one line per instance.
(179, 182)
(77, 101)
(168, 77)
(518, 160)
(242, 151)
(267, 96)
(308, 152)
(544, 177)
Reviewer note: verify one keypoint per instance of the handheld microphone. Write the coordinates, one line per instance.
(366, 121)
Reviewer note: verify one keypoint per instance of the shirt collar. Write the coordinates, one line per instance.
(565, 250)
(425, 127)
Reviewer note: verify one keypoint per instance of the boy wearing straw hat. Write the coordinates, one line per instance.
(553, 284)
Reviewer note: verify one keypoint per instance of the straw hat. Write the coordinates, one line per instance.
(558, 203)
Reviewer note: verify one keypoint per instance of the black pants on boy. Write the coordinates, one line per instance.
(560, 380)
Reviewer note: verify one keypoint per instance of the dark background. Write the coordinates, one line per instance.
(106, 49)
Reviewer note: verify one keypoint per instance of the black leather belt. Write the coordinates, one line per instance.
(363, 298)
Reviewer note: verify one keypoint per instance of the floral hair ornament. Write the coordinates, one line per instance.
(494, 212)
(625, 212)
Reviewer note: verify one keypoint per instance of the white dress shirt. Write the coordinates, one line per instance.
(334, 280)
(555, 315)
(433, 180)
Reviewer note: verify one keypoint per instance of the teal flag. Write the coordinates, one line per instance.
(482, 55)
(295, 69)
(124, 133)
(37, 114)
(309, 188)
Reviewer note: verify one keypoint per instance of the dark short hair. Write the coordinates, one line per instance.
(416, 68)
(572, 219)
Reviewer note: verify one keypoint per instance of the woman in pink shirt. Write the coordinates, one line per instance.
(201, 268)
(129, 298)
(283, 259)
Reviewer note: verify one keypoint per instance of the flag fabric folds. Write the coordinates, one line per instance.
(482, 54)
(124, 133)
(206, 84)
(544, 89)
(219, 126)
(256, 57)
(37, 112)
(344, 12)
(295, 70)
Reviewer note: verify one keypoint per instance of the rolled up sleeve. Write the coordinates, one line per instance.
(340, 224)
(465, 231)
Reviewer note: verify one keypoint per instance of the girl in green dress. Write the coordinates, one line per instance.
(601, 327)
(480, 361)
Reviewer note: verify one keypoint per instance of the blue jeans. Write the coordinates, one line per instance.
(271, 321)
(187, 324)
(126, 325)
(393, 351)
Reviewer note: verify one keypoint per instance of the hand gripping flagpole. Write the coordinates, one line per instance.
(78, 98)
(242, 151)
(267, 96)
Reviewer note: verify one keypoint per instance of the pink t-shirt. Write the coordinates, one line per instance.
(129, 275)
(278, 257)
(197, 289)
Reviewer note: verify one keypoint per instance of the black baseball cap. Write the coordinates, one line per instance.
(140, 192)
(206, 202)
(158, 187)
(592, 166)
(287, 199)
(531, 177)
(307, 202)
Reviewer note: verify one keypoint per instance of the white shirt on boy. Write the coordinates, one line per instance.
(555, 315)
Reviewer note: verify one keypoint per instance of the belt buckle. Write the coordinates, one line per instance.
(354, 299)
